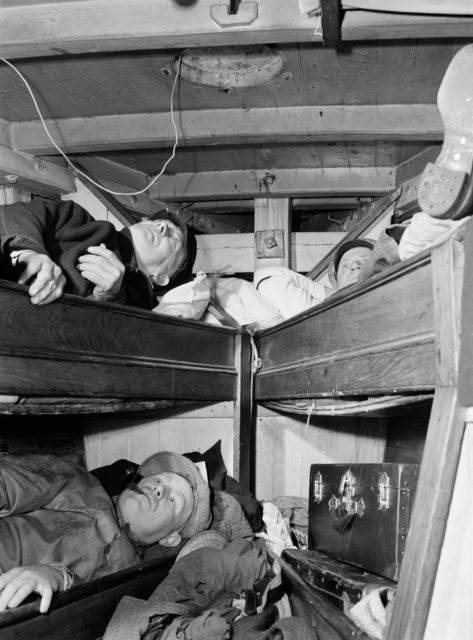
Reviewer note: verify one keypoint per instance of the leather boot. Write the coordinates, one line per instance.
(446, 186)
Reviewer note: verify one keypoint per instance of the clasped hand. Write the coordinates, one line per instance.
(99, 265)
(104, 269)
(17, 584)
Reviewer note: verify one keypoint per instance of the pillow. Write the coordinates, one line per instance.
(115, 477)
(190, 300)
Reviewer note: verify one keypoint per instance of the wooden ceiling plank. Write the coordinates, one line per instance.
(386, 154)
(416, 165)
(362, 155)
(291, 83)
(395, 68)
(33, 174)
(372, 25)
(281, 183)
(334, 154)
(233, 126)
(358, 73)
(75, 27)
(321, 70)
(431, 62)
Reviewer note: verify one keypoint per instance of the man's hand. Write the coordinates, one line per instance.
(17, 584)
(104, 269)
(49, 280)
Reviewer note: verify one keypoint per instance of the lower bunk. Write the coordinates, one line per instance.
(83, 612)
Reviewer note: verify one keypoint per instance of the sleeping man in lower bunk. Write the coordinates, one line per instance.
(59, 526)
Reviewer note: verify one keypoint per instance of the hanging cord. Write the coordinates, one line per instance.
(256, 362)
(76, 169)
(318, 28)
(310, 412)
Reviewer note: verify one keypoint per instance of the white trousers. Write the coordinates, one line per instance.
(288, 291)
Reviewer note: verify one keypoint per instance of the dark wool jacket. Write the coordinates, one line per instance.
(64, 230)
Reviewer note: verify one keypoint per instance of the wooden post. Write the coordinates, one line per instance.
(272, 232)
(441, 453)
(243, 431)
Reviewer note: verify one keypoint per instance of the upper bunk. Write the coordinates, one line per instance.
(370, 347)
(79, 355)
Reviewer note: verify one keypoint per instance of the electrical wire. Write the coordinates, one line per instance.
(76, 169)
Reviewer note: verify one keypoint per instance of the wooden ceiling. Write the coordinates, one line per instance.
(337, 121)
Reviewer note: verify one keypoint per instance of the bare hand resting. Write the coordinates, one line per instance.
(17, 584)
(48, 279)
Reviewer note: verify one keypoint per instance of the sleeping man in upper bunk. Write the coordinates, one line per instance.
(291, 292)
(279, 293)
(59, 526)
(57, 246)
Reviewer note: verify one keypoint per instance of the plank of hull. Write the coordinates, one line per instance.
(376, 338)
(77, 347)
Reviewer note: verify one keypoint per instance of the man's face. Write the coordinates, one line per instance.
(163, 508)
(350, 265)
(154, 248)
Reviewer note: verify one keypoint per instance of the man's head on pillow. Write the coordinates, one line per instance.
(349, 260)
(171, 502)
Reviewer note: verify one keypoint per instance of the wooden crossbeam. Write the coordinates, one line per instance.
(378, 25)
(107, 199)
(57, 28)
(37, 175)
(232, 126)
(287, 183)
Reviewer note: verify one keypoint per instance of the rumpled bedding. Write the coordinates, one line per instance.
(196, 583)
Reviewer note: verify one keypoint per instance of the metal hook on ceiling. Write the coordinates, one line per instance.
(234, 4)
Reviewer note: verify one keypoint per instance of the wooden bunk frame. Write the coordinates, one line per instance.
(110, 357)
(398, 333)
(350, 346)
(77, 347)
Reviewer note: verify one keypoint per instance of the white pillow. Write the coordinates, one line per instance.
(189, 300)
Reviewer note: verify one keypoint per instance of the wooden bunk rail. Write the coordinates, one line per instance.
(83, 612)
(376, 338)
(77, 347)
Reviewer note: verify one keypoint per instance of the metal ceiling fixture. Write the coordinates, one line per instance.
(230, 67)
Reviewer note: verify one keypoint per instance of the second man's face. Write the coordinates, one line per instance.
(154, 248)
(350, 265)
(162, 506)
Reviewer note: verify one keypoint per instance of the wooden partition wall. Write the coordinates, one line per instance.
(398, 333)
